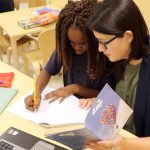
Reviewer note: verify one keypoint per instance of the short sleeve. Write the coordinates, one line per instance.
(53, 66)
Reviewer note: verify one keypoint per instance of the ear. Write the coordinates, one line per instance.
(128, 35)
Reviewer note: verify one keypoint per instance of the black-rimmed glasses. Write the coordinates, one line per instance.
(106, 43)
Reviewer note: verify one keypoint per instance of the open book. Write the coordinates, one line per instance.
(54, 114)
(106, 117)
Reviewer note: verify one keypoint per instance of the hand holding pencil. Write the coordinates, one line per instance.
(32, 102)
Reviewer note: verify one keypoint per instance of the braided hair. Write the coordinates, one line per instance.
(76, 13)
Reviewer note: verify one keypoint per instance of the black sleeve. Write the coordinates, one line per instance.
(110, 79)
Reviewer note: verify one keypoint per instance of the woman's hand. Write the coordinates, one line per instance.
(86, 103)
(29, 102)
(61, 93)
(118, 143)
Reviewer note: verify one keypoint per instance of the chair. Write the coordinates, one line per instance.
(5, 45)
(17, 4)
(39, 57)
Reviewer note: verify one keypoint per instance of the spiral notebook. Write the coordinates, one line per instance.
(6, 95)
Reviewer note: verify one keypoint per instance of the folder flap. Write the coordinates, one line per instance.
(6, 95)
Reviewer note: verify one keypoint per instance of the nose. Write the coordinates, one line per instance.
(77, 47)
(101, 48)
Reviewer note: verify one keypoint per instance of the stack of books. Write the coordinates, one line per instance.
(40, 17)
(45, 16)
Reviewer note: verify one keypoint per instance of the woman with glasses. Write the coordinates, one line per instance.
(123, 37)
(76, 51)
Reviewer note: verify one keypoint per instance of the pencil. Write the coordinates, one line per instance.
(34, 98)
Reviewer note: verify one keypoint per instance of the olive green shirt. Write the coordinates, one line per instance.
(126, 89)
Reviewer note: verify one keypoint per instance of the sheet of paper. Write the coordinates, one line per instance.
(54, 114)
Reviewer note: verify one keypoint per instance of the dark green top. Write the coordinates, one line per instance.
(126, 89)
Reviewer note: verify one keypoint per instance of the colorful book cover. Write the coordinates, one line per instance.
(47, 10)
(45, 16)
(108, 114)
(105, 119)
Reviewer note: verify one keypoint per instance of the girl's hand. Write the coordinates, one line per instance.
(29, 102)
(61, 93)
(86, 103)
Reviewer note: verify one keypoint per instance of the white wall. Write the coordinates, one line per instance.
(144, 6)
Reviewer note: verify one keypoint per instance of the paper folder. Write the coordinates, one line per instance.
(6, 95)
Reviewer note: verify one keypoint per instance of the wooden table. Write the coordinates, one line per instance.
(9, 23)
(24, 84)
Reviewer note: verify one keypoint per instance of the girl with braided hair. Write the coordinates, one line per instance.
(76, 51)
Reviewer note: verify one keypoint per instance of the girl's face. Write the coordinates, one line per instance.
(77, 40)
(114, 47)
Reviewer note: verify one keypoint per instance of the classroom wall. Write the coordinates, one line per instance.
(59, 3)
(144, 6)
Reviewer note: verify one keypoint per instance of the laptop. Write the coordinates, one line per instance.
(14, 139)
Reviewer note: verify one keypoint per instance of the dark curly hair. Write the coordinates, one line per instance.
(76, 14)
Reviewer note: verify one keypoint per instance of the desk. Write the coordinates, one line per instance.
(8, 22)
(24, 84)
(7, 119)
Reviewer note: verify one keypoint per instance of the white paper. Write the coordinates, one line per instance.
(67, 112)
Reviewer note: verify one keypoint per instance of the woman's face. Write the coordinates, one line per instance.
(77, 40)
(114, 47)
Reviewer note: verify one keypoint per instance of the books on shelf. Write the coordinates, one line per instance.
(104, 120)
(51, 115)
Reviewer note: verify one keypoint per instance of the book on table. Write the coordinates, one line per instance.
(40, 17)
(104, 120)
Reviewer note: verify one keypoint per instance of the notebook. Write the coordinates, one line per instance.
(6, 95)
(14, 139)
(105, 119)
(51, 114)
